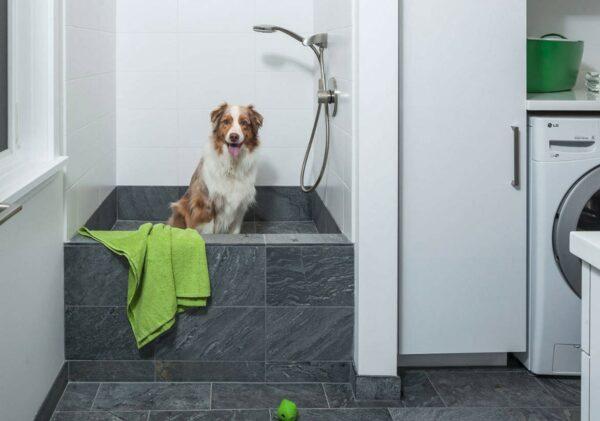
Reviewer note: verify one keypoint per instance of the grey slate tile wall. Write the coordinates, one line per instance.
(278, 313)
(151, 203)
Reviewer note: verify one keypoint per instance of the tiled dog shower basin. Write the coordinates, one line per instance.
(281, 310)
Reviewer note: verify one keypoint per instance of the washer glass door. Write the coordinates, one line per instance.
(579, 211)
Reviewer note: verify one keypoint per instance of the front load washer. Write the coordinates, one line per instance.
(564, 196)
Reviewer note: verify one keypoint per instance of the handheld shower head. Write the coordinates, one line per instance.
(266, 29)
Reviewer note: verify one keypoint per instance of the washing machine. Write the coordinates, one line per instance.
(564, 196)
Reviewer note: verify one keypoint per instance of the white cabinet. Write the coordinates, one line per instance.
(590, 343)
(586, 246)
(31, 301)
(463, 235)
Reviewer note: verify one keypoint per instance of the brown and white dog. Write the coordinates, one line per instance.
(222, 187)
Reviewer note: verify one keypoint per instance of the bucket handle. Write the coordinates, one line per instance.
(554, 35)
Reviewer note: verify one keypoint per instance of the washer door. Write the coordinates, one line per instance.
(579, 211)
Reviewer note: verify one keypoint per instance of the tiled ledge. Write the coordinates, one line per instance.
(253, 239)
(277, 312)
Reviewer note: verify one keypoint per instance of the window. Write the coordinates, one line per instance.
(3, 75)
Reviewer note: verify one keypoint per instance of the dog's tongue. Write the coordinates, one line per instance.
(234, 150)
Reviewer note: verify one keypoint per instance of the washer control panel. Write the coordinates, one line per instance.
(564, 138)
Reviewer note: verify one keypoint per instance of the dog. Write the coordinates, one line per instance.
(222, 187)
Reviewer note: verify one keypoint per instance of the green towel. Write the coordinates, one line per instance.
(168, 273)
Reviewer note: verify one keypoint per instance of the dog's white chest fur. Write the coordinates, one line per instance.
(231, 189)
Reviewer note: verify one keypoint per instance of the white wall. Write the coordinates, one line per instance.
(376, 180)
(336, 18)
(578, 20)
(178, 59)
(90, 49)
(31, 302)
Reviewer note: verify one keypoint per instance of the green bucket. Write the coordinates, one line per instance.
(552, 63)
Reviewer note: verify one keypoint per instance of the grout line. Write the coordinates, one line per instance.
(265, 302)
(95, 396)
(61, 396)
(325, 393)
(210, 397)
(435, 389)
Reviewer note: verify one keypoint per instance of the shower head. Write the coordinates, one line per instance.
(267, 29)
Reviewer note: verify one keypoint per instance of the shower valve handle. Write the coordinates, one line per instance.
(329, 96)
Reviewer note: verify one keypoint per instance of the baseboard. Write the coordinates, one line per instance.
(373, 388)
(453, 360)
(54, 394)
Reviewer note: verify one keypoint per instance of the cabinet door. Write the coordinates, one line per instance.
(463, 235)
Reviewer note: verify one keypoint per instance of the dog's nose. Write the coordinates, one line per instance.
(234, 138)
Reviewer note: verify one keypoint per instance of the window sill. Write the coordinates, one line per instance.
(23, 178)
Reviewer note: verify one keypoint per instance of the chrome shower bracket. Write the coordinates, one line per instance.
(329, 95)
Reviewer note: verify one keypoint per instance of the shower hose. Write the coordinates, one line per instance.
(323, 102)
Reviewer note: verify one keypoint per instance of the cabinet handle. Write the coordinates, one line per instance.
(516, 182)
(8, 211)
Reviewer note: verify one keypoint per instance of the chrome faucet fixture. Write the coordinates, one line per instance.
(327, 94)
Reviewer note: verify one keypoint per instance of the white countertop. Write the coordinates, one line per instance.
(586, 246)
(577, 100)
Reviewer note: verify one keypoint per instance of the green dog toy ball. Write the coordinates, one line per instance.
(287, 411)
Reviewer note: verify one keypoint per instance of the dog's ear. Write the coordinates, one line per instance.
(217, 113)
(256, 117)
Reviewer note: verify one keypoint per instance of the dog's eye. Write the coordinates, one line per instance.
(244, 123)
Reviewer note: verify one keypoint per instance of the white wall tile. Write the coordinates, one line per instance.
(106, 174)
(343, 119)
(87, 196)
(89, 52)
(284, 128)
(187, 162)
(336, 18)
(216, 15)
(71, 211)
(232, 53)
(341, 143)
(340, 53)
(279, 166)
(332, 14)
(284, 90)
(147, 128)
(92, 14)
(88, 99)
(194, 127)
(334, 199)
(149, 167)
(292, 14)
(86, 145)
(279, 53)
(208, 90)
(144, 90)
(348, 213)
(217, 58)
(147, 52)
(146, 15)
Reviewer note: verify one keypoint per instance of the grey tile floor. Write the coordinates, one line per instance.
(491, 394)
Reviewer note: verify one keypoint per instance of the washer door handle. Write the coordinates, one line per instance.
(516, 181)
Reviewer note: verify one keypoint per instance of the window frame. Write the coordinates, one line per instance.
(34, 87)
(10, 155)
